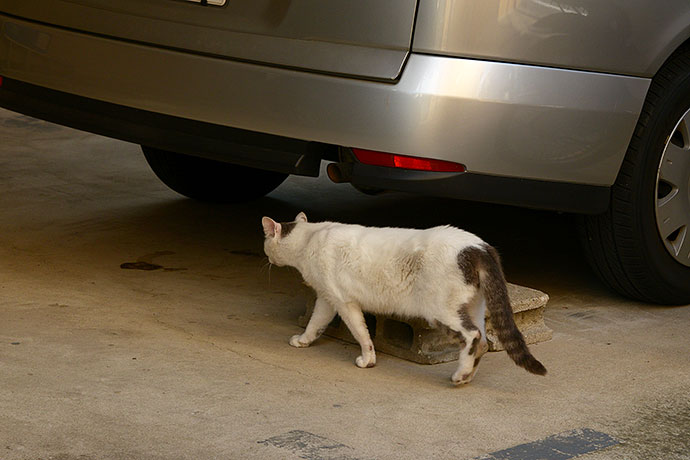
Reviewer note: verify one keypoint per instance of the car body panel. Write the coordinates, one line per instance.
(629, 37)
(348, 37)
(496, 118)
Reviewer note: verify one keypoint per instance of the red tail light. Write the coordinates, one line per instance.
(393, 160)
(0, 81)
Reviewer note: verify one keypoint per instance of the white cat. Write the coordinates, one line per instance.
(445, 275)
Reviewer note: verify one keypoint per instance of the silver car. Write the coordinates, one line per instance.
(575, 105)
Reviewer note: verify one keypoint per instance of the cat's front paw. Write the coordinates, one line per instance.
(363, 362)
(295, 341)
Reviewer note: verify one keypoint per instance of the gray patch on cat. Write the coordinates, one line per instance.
(473, 348)
(286, 228)
(454, 335)
(469, 260)
(466, 320)
(410, 264)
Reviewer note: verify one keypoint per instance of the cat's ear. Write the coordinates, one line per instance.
(301, 217)
(271, 227)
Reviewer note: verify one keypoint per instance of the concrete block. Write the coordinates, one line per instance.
(415, 340)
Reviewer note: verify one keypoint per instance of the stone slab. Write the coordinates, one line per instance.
(415, 340)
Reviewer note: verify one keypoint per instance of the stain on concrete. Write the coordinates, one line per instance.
(244, 252)
(310, 446)
(583, 315)
(145, 263)
(560, 446)
(140, 266)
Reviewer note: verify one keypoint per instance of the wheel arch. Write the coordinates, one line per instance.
(676, 38)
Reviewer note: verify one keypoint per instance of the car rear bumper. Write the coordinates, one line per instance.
(509, 121)
(287, 155)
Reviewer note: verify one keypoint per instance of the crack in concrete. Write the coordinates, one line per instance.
(192, 336)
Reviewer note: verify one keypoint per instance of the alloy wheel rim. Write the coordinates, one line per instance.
(673, 192)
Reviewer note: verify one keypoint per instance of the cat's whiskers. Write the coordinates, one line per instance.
(269, 265)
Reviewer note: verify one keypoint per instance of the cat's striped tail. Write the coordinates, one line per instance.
(493, 285)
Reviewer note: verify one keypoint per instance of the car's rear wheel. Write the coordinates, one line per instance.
(210, 180)
(641, 245)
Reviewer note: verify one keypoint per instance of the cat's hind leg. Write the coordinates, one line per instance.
(472, 348)
(477, 311)
(321, 317)
(352, 314)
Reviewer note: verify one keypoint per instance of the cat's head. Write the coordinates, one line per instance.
(278, 245)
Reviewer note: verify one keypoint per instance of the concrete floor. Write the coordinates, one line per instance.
(192, 361)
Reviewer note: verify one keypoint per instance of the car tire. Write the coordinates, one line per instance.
(632, 247)
(210, 180)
